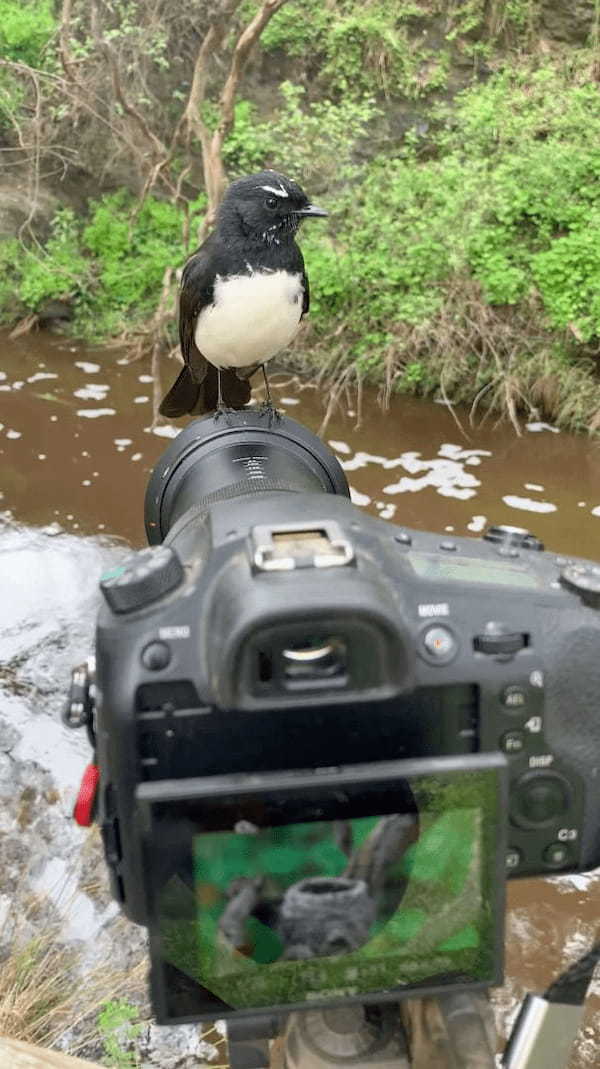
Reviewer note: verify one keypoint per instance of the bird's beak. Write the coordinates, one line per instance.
(311, 209)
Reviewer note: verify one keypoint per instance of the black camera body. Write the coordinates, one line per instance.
(272, 626)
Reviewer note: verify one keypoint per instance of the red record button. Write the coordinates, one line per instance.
(84, 806)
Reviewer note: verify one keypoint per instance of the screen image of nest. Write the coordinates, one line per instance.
(316, 910)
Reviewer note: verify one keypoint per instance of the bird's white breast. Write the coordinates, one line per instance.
(252, 318)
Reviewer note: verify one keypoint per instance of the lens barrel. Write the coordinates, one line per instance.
(238, 453)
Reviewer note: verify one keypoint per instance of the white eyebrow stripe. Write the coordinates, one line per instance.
(278, 192)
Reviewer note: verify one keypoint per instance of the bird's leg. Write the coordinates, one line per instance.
(267, 405)
(220, 409)
(268, 400)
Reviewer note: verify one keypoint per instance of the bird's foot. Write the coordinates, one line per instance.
(223, 412)
(267, 408)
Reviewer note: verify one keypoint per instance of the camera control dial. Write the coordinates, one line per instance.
(512, 537)
(497, 638)
(540, 798)
(141, 579)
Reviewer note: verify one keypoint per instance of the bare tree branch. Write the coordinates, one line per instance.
(241, 54)
(108, 51)
(66, 57)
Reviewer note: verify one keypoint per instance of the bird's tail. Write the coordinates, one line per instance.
(182, 397)
(186, 395)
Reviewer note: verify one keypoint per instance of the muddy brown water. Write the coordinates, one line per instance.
(77, 445)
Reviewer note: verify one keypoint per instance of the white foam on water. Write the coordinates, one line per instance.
(163, 432)
(92, 391)
(477, 524)
(359, 499)
(289, 400)
(39, 375)
(596, 511)
(456, 452)
(360, 460)
(94, 413)
(527, 505)
(123, 441)
(145, 378)
(536, 427)
(576, 881)
(445, 473)
(339, 447)
(447, 477)
(533, 486)
(140, 400)
(86, 367)
(388, 511)
(136, 456)
(13, 434)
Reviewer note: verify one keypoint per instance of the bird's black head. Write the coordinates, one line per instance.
(266, 208)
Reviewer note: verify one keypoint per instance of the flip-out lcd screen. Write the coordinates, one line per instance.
(285, 889)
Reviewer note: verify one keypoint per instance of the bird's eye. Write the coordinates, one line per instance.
(271, 202)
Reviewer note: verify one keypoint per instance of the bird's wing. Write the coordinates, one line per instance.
(297, 264)
(197, 289)
(306, 297)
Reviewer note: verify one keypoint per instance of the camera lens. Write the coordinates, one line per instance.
(217, 459)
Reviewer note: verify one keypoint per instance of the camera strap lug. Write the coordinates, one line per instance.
(79, 708)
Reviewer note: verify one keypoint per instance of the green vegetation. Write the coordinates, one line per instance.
(25, 29)
(46, 995)
(117, 1027)
(458, 155)
(406, 49)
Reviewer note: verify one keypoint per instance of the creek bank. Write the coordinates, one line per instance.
(52, 872)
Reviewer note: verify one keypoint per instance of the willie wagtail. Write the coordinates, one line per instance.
(243, 294)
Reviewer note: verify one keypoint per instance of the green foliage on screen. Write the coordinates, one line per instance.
(433, 913)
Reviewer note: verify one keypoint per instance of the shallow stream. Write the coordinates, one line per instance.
(77, 445)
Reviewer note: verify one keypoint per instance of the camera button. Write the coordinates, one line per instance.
(438, 644)
(557, 855)
(540, 798)
(513, 742)
(514, 697)
(514, 858)
(156, 655)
